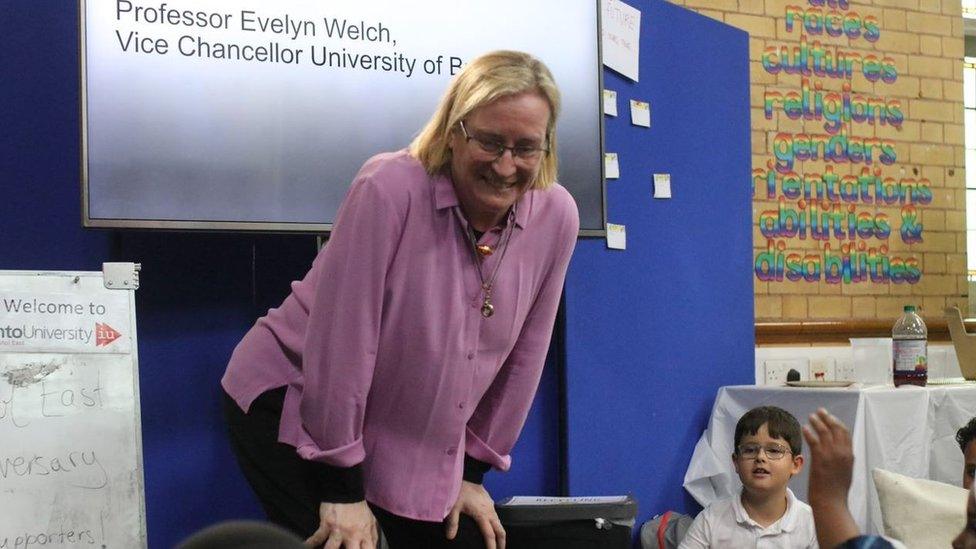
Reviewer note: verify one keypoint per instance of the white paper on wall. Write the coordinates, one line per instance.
(609, 102)
(616, 236)
(621, 38)
(611, 165)
(640, 113)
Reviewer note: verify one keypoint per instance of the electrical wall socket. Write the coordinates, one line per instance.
(845, 370)
(776, 370)
(823, 369)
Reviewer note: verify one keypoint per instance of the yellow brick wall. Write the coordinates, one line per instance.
(922, 42)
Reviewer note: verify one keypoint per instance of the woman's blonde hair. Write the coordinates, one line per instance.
(489, 77)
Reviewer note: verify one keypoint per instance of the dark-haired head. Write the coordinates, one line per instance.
(966, 434)
(779, 423)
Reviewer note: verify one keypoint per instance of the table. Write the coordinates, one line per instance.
(909, 430)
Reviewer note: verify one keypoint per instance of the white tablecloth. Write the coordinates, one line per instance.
(909, 430)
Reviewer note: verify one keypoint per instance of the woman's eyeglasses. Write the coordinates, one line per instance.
(494, 150)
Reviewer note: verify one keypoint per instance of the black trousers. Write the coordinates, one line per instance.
(284, 483)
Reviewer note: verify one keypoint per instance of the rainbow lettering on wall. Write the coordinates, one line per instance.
(835, 210)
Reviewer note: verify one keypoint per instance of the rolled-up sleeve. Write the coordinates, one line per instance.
(344, 324)
(500, 415)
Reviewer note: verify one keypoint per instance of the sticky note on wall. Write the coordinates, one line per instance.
(611, 167)
(609, 102)
(662, 185)
(640, 113)
(616, 236)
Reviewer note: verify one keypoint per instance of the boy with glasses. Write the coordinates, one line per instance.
(766, 513)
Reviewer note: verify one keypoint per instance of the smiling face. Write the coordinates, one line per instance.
(759, 474)
(488, 185)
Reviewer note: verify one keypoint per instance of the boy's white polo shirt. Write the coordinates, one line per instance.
(726, 523)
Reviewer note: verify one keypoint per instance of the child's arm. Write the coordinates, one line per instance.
(831, 468)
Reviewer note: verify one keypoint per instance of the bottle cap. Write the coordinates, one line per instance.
(909, 308)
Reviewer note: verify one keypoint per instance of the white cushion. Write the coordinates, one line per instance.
(920, 512)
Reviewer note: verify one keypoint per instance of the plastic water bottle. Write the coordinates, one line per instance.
(909, 346)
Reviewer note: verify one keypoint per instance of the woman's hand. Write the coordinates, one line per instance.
(345, 525)
(475, 502)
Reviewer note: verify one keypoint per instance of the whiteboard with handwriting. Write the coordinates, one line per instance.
(70, 437)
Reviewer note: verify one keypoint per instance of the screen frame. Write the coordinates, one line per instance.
(87, 221)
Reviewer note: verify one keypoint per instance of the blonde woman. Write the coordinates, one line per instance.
(402, 367)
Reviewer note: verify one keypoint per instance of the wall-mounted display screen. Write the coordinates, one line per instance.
(250, 115)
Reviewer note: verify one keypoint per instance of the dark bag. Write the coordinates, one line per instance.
(665, 531)
(568, 523)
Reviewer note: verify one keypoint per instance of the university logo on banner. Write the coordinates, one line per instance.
(105, 334)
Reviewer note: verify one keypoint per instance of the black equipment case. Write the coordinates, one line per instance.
(568, 523)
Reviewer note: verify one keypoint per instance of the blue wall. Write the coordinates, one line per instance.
(653, 331)
(639, 372)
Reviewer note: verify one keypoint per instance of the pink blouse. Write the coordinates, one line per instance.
(384, 350)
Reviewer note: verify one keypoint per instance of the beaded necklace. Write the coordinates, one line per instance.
(478, 253)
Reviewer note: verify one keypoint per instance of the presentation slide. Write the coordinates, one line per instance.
(253, 115)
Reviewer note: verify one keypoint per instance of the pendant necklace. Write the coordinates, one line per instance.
(479, 252)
